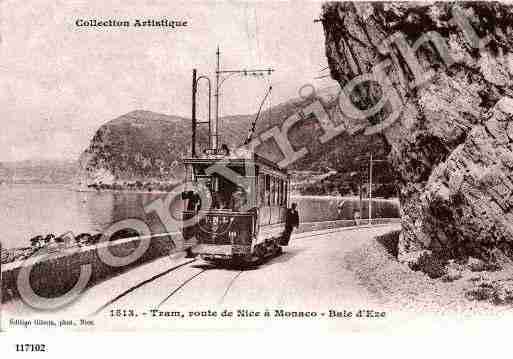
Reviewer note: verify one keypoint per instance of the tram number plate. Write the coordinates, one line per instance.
(212, 249)
(238, 249)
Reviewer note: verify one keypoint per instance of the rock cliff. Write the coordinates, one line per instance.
(135, 147)
(446, 72)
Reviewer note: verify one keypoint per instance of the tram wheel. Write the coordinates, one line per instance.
(279, 250)
(260, 254)
(188, 253)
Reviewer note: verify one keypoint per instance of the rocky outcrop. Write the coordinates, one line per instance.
(138, 147)
(143, 149)
(449, 68)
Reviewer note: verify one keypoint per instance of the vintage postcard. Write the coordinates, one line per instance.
(240, 166)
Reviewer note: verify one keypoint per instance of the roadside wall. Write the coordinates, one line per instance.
(317, 226)
(57, 273)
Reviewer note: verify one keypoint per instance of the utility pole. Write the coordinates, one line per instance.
(371, 172)
(360, 197)
(370, 190)
(213, 138)
(371, 169)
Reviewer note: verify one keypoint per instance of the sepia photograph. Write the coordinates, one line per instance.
(344, 167)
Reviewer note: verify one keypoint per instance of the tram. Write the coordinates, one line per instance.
(240, 216)
(242, 224)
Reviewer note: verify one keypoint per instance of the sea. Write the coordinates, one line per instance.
(28, 210)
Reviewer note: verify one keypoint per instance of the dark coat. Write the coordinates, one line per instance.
(292, 219)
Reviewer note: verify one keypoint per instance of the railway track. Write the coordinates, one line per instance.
(190, 278)
(177, 288)
(180, 287)
(139, 285)
(175, 291)
(229, 286)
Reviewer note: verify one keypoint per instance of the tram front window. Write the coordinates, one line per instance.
(227, 195)
(229, 198)
(192, 201)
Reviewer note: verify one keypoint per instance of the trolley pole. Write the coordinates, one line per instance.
(219, 82)
(195, 122)
(194, 89)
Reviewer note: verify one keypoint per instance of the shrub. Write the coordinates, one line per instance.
(478, 265)
(451, 276)
(482, 292)
(432, 265)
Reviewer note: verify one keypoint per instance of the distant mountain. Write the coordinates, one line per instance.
(336, 154)
(39, 171)
(146, 147)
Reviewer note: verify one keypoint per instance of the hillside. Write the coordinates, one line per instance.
(144, 147)
(140, 146)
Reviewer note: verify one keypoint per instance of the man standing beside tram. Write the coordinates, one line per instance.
(291, 222)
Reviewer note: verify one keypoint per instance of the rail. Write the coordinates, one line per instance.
(61, 269)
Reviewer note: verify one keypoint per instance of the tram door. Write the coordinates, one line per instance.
(280, 202)
(264, 191)
(275, 210)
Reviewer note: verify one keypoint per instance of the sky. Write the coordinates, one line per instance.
(60, 82)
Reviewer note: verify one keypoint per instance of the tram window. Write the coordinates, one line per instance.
(267, 190)
(280, 191)
(284, 199)
(275, 191)
(270, 199)
(271, 190)
(261, 190)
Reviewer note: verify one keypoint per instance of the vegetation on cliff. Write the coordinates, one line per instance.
(452, 144)
(142, 150)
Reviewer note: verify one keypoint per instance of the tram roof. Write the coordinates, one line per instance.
(254, 158)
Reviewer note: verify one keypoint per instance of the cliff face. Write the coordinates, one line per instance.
(140, 146)
(133, 147)
(452, 143)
